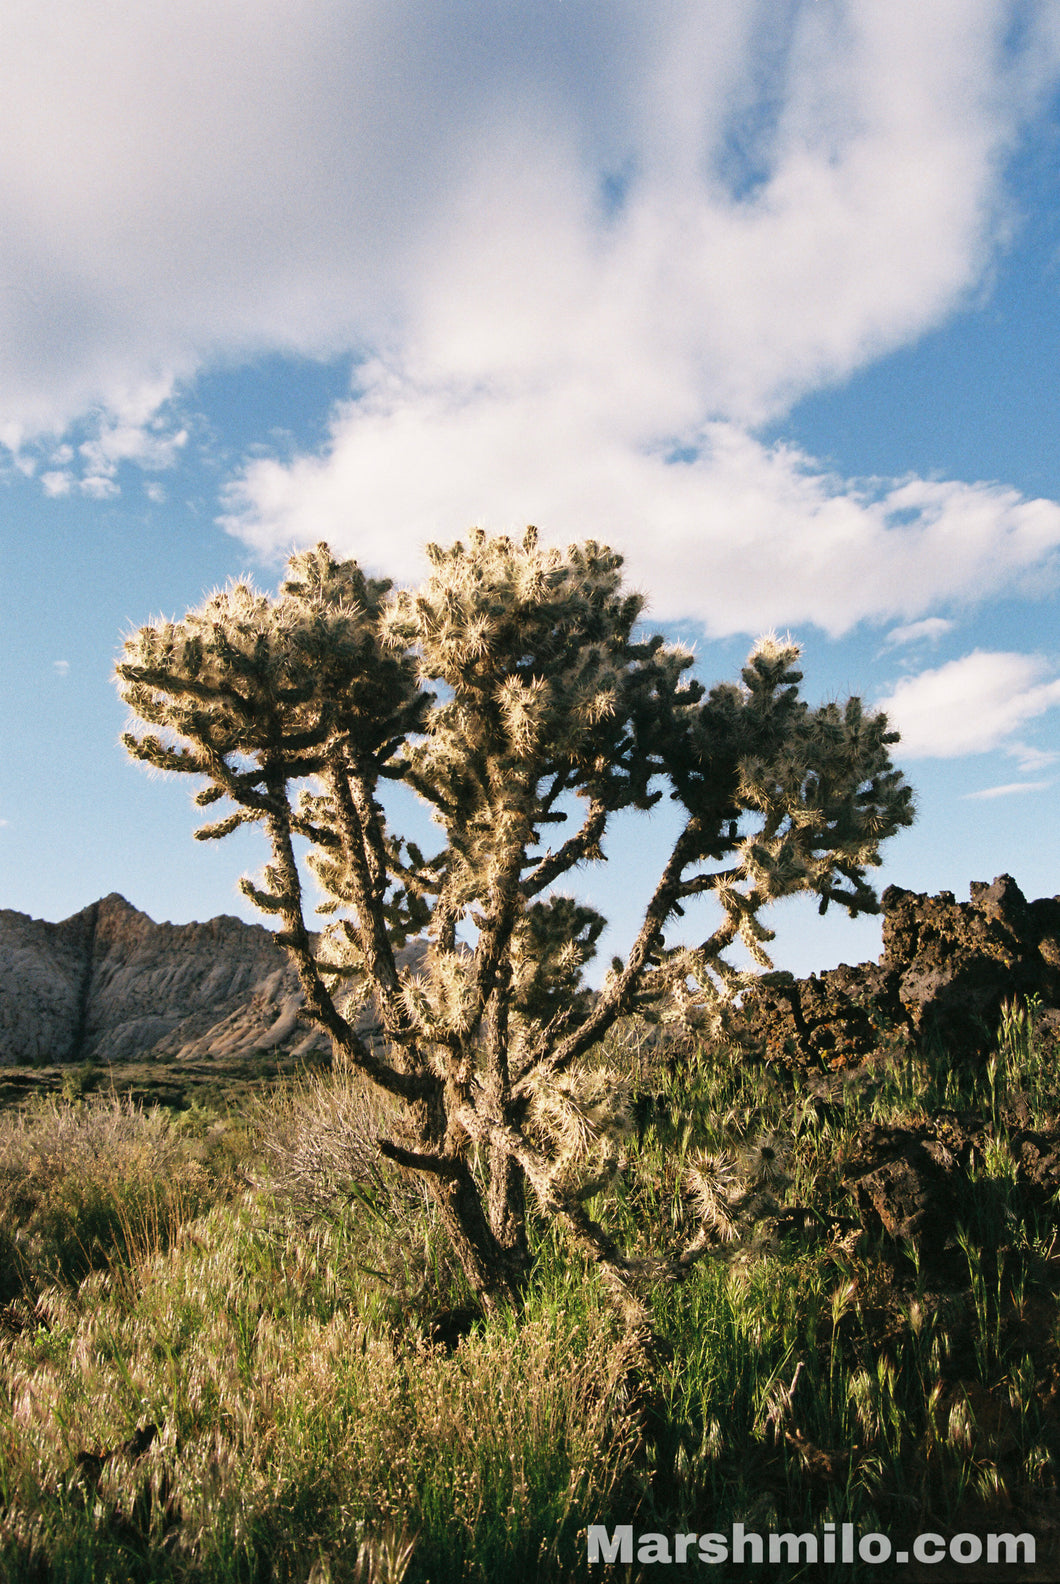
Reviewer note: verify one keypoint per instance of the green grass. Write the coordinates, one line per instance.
(263, 1291)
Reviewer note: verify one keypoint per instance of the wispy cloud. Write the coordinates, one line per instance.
(61, 667)
(971, 705)
(930, 630)
(1010, 789)
(138, 429)
(1031, 758)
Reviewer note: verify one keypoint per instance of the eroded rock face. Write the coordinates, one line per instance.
(946, 970)
(43, 972)
(110, 984)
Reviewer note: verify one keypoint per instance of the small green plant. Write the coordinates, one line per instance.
(79, 1081)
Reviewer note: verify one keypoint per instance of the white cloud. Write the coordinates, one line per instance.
(139, 428)
(99, 486)
(971, 705)
(930, 630)
(793, 189)
(1010, 789)
(743, 537)
(569, 238)
(133, 432)
(61, 667)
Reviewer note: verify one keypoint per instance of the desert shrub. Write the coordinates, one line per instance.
(318, 1156)
(90, 1182)
(318, 1138)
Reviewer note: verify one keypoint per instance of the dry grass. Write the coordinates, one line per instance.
(291, 1426)
(85, 1183)
(318, 1147)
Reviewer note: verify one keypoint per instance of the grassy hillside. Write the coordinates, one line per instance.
(233, 1345)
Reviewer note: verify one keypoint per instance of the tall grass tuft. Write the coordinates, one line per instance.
(89, 1182)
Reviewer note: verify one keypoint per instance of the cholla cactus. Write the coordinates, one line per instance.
(508, 691)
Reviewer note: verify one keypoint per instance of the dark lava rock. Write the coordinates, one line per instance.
(1037, 1157)
(957, 962)
(946, 971)
(905, 1181)
(920, 1183)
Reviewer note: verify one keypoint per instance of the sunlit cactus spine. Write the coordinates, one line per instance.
(514, 695)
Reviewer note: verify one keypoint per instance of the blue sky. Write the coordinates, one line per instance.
(765, 293)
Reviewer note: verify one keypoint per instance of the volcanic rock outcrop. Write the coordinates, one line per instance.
(919, 1182)
(946, 971)
(109, 984)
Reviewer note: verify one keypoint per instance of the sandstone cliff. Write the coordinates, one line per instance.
(109, 984)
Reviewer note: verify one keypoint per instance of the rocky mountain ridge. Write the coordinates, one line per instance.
(109, 984)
